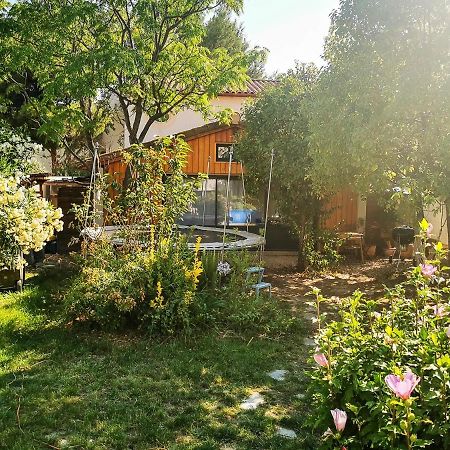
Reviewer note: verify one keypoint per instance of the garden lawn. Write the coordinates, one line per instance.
(62, 388)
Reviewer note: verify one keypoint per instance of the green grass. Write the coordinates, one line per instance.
(63, 388)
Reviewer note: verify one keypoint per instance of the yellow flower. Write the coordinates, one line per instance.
(158, 301)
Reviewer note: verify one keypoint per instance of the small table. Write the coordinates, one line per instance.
(353, 241)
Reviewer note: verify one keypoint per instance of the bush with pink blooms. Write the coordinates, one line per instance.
(386, 366)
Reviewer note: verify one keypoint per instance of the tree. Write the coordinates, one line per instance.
(380, 118)
(222, 31)
(141, 58)
(16, 152)
(19, 96)
(278, 120)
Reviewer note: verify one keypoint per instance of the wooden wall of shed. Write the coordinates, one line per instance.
(204, 147)
(342, 212)
(66, 198)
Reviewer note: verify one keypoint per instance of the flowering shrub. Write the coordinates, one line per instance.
(27, 222)
(387, 366)
(148, 277)
(153, 288)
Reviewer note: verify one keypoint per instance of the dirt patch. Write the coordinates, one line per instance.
(372, 278)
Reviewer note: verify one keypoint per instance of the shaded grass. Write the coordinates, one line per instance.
(63, 388)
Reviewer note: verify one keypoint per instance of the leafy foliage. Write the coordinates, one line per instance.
(158, 192)
(369, 342)
(380, 116)
(145, 276)
(278, 120)
(133, 61)
(222, 31)
(322, 251)
(153, 288)
(16, 152)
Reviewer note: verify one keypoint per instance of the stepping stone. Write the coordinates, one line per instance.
(286, 433)
(278, 375)
(309, 342)
(252, 402)
(300, 396)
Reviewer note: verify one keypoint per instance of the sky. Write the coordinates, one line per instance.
(291, 29)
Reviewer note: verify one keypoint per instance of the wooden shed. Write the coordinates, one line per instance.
(210, 146)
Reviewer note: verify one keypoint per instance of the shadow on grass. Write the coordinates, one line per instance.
(63, 388)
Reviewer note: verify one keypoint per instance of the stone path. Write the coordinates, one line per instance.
(255, 400)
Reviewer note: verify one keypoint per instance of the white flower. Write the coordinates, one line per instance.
(223, 268)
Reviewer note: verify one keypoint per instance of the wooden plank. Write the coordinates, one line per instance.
(199, 147)
(190, 156)
(202, 156)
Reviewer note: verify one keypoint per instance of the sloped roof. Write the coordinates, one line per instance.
(253, 88)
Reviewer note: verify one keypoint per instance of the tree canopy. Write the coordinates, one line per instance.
(16, 152)
(222, 31)
(139, 60)
(381, 117)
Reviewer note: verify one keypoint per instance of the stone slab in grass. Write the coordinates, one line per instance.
(309, 342)
(286, 433)
(278, 375)
(252, 402)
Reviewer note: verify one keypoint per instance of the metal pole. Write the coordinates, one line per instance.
(267, 203)
(227, 204)
(243, 194)
(204, 190)
(92, 185)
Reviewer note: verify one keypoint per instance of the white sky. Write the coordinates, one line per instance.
(290, 29)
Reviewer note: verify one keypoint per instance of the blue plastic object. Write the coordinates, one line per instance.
(241, 215)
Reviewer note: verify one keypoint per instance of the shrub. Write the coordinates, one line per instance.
(16, 152)
(27, 222)
(373, 351)
(322, 250)
(226, 302)
(147, 277)
(151, 279)
(153, 288)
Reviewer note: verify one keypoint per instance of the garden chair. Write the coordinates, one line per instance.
(257, 274)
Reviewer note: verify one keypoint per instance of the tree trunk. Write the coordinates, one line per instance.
(54, 160)
(301, 259)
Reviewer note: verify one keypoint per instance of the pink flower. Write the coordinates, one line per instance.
(321, 359)
(340, 419)
(404, 385)
(428, 270)
(438, 310)
(429, 229)
(448, 332)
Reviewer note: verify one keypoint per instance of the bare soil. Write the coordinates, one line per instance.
(371, 277)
